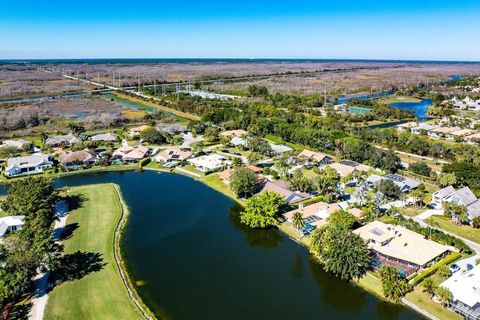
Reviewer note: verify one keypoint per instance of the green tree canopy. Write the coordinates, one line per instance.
(262, 210)
(243, 182)
(393, 285)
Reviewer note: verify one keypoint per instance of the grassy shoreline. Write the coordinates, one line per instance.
(98, 222)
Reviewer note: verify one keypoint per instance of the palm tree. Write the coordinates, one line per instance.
(298, 222)
(403, 198)
(444, 295)
(430, 287)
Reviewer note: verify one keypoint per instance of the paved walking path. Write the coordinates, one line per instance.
(40, 282)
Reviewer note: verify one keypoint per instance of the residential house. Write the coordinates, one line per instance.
(10, 224)
(405, 184)
(35, 163)
(440, 195)
(464, 287)
(105, 137)
(403, 127)
(472, 139)
(423, 129)
(459, 134)
(346, 167)
(399, 247)
(135, 132)
(210, 163)
(317, 157)
(317, 214)
(278, 149)
(466, 197)
(61, 141)
(234, 133)
(172, 154)
(171, 129)
(441, 132)
(225, 175)
(282, 188)
(237, 141)
(77, 159)
(130, 154)
(18, 144)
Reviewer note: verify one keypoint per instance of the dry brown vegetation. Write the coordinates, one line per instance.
(26, 80)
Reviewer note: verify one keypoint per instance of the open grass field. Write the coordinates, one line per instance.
(395, 99)
(100, 294)
(463, 231)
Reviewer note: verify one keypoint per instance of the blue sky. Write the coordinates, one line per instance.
(422, 29)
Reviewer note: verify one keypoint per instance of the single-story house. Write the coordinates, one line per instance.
(404, 126)
(315, 214)
(422, 128)
(135, 132)
(234, 133)
(225, 175)
(278, 149)
(282, 188)
(318, 157)
(172, 154)
(61, 141)
(171, 129)
(399, 247)
(405, 184)
(106, 137)
(212, 162)
(130, 154)
(77, 159)
(459, 133)
(472, 139)
(441, 132)
(464, 288)
(17, 143)
(35, 163)
(10, 224)
(346, 167)
(237, 141)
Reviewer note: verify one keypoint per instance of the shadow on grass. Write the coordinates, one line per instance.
(75, 201)
(67, 231)
(75, 266)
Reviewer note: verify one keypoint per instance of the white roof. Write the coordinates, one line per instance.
(19, 143)
(28, 161)
(211, 162)
(10, 221)
(104, 137)
(465, 287)
(279, 148)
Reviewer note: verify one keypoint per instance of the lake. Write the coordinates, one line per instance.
(194, 260)
(420, 108)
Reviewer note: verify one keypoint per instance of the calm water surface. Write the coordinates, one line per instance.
(194, 259)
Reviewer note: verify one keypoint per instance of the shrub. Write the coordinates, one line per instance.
(427, 272)
(144, 162)
(476, 222)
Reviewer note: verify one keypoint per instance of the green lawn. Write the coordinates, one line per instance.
(214, 181)
(421, 299)
(98, 295)
(372, 284)
(463, 231)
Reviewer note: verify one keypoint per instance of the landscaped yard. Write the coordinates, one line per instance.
(463, 231)
(99, 294)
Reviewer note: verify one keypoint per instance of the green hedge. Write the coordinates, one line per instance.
(427, 272)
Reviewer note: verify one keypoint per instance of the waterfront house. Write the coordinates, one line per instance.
(423, 129)
(105, 137)
(403, 127)
(315, 214)
(399, 247)
(61, 141)
(10, 224)
(210, 163)
(135, 132)
(282, 188)
(130, 154)
(35, 163)
(464, 287)
(77, 159)
(405, 184)
(172, 154)
(226, 175)
(316, 157)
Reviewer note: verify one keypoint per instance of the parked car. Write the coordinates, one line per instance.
(469, 267)
(454, 268)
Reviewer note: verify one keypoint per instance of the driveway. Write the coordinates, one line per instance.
(431, 212)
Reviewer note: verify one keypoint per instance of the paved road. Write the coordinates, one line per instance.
(40, 282)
